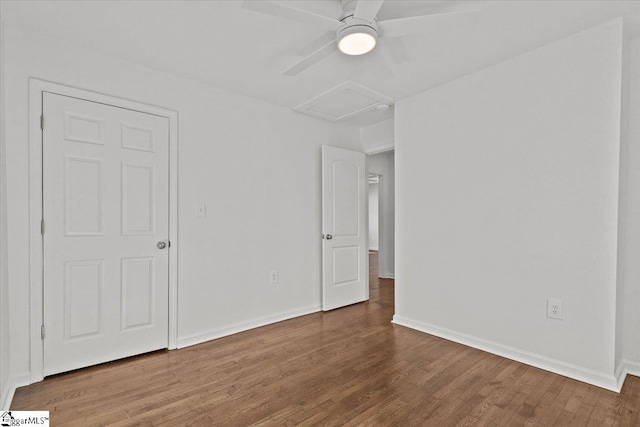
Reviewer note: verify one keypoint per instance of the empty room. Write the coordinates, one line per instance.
(320, 212)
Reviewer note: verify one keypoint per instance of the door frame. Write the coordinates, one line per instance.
(36, 250)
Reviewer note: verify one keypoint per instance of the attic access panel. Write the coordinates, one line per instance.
(346, 100)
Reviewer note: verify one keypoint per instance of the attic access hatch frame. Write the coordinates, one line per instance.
(371, 100)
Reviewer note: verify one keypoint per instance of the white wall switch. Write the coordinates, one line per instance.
(554, 308)
(201, 210)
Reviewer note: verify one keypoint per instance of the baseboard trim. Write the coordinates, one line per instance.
(599, 379)
(632, 368)
(13, 383)
(7, 395)
(620, 375)
(245, 326)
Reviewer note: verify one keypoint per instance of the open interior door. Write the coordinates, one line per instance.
(344, 244)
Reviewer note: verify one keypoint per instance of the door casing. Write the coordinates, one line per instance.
(36, 304)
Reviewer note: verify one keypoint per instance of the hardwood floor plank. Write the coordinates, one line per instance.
(350, 366)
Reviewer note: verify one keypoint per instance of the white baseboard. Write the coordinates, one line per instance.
(245, 326)
(7, 395)
(12, 384)
(599, 379)
(620, 375)
(632, 368)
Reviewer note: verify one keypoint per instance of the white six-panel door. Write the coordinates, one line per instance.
(344, 247)
(105, 209)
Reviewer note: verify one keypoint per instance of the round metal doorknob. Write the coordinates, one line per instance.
(329, 237)
(161, 245)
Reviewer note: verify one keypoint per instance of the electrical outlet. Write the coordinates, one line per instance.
(273, 277)
(554, 308)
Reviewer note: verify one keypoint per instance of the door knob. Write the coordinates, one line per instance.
(161, 245)
(329, 237)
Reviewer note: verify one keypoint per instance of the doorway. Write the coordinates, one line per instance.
(374, 212)
(381, 217)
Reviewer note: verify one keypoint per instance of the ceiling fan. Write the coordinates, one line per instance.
(357, 31)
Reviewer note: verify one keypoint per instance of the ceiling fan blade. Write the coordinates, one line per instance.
(427, 23)
(317, 44)
(292, 13)
(367, 9)
(315, 57)
(395, 49)
(378, 66)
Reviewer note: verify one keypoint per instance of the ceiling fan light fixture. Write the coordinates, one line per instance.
(357, 40)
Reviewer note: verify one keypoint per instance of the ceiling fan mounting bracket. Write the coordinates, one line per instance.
(350, 22)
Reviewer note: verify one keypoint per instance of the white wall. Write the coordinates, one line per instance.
(383, 164)
(257, 166)
(630, 245)
(508, 195)
(377, 137)
(4, 290)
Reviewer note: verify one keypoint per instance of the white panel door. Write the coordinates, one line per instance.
(105, 209)
(344, 244)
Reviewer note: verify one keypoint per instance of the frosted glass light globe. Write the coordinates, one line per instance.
(357, 43)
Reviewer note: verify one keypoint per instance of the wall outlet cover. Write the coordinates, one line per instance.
(554, 308)
(273, 277)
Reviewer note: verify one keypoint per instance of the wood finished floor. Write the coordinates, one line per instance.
(347, 367)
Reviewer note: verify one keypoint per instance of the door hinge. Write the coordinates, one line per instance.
(42, 226)
(42, 331)
(42, 121)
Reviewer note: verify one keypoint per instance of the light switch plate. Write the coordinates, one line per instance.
(201, 210)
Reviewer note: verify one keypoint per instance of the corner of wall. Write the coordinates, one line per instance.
(13, 383)
(5, 384)
(628, 295)
(622, 203)
(7, 396)
(378, 137)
